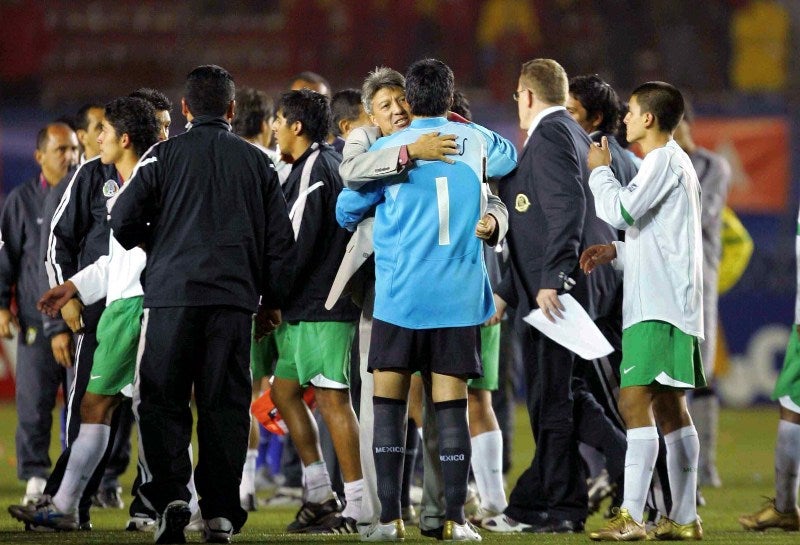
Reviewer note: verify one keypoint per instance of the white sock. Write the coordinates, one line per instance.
(487, 466)
(85, 454)
(421, 438)
(194, 503)
(640, 459)
(248, 484)
(683, 451)
(353, 492)
(317, 482)
(787, 466)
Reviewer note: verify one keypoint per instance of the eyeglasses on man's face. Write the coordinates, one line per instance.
(518, 92)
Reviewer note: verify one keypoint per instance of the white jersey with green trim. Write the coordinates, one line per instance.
(662, 256)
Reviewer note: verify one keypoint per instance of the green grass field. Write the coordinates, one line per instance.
(745, 461)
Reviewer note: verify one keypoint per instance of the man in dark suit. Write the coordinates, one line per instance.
(551, 219)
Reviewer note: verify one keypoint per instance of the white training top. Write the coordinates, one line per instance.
(113, 276)
(662, 256)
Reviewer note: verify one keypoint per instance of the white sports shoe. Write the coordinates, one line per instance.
(391, 531)
(503, 524)
(460, 532)
(34, 490)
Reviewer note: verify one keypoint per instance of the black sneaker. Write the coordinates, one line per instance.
(435, 533)
(172, 522)
(335, 524)
(313, 514)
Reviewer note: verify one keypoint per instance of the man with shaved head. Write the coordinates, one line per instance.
(38, 373)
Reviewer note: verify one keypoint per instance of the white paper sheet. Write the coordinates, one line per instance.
(575, 331)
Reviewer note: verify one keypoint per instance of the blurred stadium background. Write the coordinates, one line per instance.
(736, 59)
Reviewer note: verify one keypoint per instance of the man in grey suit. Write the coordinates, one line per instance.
(383, 96)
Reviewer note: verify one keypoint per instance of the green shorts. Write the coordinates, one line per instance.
(658, 353)
(788, 383)
(263, 354)
(316, 353)
(114, 362)
(490, 357)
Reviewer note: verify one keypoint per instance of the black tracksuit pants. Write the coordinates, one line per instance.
(208, 349)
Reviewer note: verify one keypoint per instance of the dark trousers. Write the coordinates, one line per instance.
(38, 378)
(207, 348)
(85, 346)
(120, 455)
(554, 484)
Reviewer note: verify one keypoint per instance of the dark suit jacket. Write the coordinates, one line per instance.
(552, 219)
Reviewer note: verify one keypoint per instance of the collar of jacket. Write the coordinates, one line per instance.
(209, 120)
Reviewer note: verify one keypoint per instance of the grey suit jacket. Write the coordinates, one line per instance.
(359, 168)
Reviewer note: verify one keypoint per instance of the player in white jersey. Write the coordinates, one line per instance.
(662, 311)
(782, 512)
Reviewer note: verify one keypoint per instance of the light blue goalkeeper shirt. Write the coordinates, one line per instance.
(429, 266)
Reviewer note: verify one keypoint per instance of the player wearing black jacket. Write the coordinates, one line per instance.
(208, 208)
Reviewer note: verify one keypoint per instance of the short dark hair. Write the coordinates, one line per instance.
(598, 98)
(209, 90)
(429, 87)
(155, 97)
(309, 108)
(137, 118)
(345, 104)
(253, 107)
(461, 105)
(662, 100)
(44, 133)
(82, 118)
(313, 77)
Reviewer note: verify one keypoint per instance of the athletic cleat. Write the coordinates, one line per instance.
(313, 514)
(141, 522)
(473, 502)
(503, 524)
(669, 530)
(336, 524)
(286, 496)
(409, 515)
(435, 533)
(109, 498)
(218, 530)
(34, 489)
(621, 527)
(390, 531)
(44, 516)
(172, 522)
(460, 532)
(482, 514)
(769, 517)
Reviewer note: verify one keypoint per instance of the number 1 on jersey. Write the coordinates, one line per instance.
(443, 200)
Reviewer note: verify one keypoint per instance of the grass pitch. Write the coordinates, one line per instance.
(746, 444)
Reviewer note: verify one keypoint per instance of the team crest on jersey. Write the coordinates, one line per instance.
(110, 188)
(522, 203)
(30, 336)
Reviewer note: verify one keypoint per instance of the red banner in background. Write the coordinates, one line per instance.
(758, 152)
